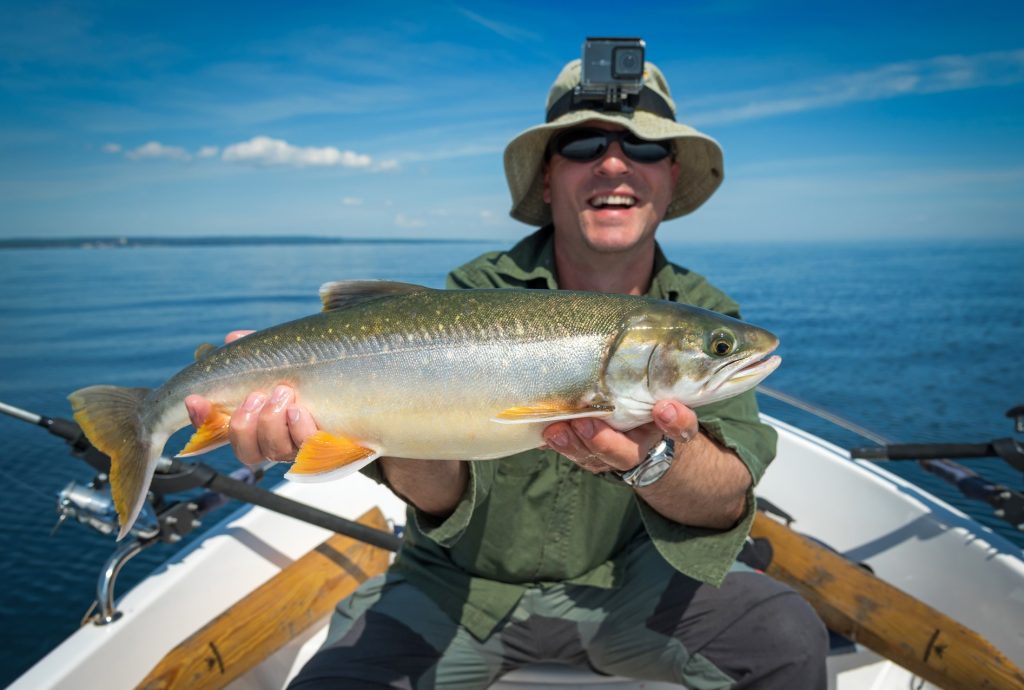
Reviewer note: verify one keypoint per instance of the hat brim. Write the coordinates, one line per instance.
(698, 155)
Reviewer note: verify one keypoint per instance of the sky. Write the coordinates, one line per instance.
(863, 120)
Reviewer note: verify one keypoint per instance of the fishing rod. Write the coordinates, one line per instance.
(1007, 504)
(169, 521)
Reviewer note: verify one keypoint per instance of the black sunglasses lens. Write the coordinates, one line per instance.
(643, 151)
(581, 144)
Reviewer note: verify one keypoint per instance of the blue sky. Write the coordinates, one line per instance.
(838, 120)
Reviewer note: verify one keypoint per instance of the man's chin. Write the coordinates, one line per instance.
(611, 237)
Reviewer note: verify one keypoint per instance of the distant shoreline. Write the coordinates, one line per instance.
(136, 242)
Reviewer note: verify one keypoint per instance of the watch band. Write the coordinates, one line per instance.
(653, 467)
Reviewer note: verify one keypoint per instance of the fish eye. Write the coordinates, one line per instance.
(722, 343)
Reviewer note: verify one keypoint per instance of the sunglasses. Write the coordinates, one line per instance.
(584, 144)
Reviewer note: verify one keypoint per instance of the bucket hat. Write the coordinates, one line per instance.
(698, 155)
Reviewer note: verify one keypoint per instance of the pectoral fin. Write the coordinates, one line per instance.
(212, 434)
(552, 412)
(325, 456)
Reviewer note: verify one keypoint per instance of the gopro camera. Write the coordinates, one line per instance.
(612, 73)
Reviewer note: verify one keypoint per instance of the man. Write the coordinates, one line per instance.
(604, 549)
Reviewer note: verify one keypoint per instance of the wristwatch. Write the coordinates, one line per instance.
(651, 468)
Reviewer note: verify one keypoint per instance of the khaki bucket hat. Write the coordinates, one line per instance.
(699, 156)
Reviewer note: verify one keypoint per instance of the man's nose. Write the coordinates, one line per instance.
(614, 161)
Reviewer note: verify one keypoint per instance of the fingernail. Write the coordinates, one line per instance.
(254, 402)
(559, 440)
(585, 428)
(293, 415)
(281, 398)
(192, 415)
(668, 415)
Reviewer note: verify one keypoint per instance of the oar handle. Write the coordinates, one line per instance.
(925, 451)
(1009, 449)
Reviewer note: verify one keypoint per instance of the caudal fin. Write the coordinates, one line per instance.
(111, 418)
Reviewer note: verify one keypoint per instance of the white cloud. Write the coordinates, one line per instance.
(112, 148)
(935, 75)
(265, 151)
(208, 152)
(352, 201)
(154, 149)
(385, 165)
(404, 221)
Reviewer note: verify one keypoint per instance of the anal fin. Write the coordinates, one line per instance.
(552, 412)
(324, 456)
(212, 434)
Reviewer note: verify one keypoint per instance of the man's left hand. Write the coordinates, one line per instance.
(597, 447)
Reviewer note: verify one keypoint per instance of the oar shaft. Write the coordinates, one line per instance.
(855, 603)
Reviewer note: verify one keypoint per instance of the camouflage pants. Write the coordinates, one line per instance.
(661, 625)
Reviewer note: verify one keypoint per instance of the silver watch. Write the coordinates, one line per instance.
(651, 468)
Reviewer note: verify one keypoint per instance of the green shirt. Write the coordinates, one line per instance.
(536, 517)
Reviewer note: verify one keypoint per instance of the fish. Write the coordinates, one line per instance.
(402, 370)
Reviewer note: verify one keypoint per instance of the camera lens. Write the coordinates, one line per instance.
(628, 63)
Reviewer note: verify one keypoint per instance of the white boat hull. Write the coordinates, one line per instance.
(910, 538)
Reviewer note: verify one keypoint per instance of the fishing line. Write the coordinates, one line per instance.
(22, 483)
(822, 413)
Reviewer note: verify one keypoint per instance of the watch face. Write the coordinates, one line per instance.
(653, 473)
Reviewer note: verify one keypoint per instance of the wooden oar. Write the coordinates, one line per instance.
(855, 603)
(271, 616)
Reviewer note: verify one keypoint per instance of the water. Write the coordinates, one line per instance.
(919, 342)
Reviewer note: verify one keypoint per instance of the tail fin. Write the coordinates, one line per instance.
(111, 418)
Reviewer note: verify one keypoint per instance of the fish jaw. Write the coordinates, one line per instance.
(739, 377)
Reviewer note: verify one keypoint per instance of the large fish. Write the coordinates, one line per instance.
(407, 371)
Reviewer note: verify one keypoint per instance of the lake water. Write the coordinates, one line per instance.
(916, 341)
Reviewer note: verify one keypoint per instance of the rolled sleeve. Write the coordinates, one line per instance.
(447, 531)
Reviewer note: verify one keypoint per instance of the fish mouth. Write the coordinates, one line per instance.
(753, 367)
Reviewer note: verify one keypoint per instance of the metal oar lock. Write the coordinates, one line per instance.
(163, 519)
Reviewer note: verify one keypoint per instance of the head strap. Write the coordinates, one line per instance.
(648, 99)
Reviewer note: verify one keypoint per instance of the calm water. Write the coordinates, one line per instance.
(920, 342)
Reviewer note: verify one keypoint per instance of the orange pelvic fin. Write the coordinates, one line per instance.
(325, 456)
(552, 412)
(212, 434)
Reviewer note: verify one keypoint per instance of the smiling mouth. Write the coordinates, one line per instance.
(613, 201)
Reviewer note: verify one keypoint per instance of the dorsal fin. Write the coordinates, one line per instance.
(204, 350)
(348, 293)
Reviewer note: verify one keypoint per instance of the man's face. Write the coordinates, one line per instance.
(611, 204)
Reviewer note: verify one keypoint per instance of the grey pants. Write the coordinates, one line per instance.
(661, 625)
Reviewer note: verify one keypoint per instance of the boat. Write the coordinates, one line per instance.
(223, 610)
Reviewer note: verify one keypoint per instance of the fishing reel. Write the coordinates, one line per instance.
(93, 507)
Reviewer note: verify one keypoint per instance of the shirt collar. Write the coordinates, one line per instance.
(531, 264)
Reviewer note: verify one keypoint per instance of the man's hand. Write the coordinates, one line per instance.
(596, 447)
(706, 485)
